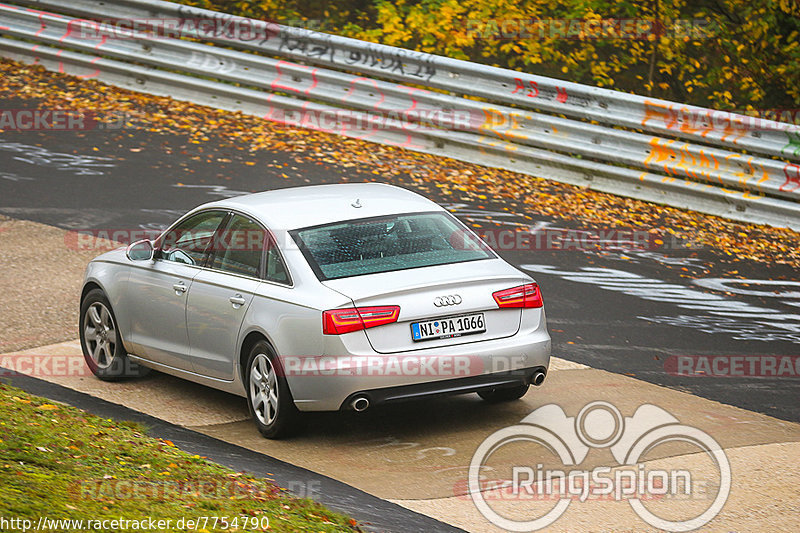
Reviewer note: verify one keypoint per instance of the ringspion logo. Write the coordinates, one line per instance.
(550, 432)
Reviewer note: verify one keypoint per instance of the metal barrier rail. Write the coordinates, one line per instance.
(471, 112)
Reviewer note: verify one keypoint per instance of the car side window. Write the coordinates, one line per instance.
(276, 270)
(188, 241)
(239, 247)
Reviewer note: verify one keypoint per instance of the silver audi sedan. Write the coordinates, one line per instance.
(317, 298)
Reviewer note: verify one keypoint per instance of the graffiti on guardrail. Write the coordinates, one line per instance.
(691, 120)
(792, 182)
(402, 62)
(249, 30)
(793, 146)
(396, 61)
(588, 132)
(677, 159)
(532, 89)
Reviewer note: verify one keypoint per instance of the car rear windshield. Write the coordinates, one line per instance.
(385, 244)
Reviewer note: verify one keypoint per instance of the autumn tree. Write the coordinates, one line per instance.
(726, 54)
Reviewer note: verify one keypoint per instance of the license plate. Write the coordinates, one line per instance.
(445, 328)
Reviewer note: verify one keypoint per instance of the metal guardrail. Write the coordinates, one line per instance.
(710, 161)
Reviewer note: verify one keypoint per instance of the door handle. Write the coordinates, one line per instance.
(237, 300)
(179, 287)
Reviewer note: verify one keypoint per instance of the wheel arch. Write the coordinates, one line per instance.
(88, 287)
(244, 351)
(250, 339)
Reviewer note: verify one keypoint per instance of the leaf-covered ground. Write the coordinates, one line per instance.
(59, 462)
(441, 177)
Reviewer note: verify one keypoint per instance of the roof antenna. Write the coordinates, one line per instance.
(357, 203)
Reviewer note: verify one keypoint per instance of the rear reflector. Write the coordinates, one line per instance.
(523, 296)
(339, 321)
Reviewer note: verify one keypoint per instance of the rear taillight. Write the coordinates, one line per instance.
(523, 296)
(339, 321)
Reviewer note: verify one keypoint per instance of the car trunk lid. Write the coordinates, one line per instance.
(459, 293)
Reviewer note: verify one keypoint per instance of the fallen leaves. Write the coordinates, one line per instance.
(358, 160)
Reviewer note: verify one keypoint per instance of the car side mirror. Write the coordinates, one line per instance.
(140, 250)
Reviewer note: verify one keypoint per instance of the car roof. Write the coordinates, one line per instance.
(313, 205)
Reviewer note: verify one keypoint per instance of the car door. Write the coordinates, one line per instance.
(158, 289)
(221, 294)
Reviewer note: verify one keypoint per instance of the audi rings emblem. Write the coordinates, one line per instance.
(451, 299)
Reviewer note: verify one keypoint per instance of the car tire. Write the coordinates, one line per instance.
(268, 397)
(505, 394)
(101, 340)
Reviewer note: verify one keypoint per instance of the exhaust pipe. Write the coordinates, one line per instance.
(359, 404)
(537, 378)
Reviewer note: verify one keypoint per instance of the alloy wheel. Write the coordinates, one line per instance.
(100, 335)
(264, 389)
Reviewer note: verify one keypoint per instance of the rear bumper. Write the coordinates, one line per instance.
(448, 387)
(327, 383)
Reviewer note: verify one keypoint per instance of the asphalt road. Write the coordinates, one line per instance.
(655, 307)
